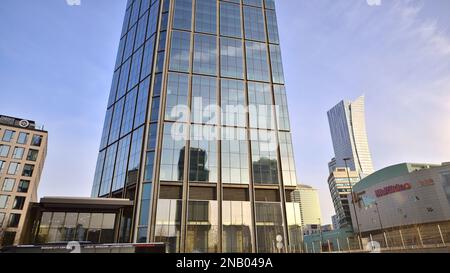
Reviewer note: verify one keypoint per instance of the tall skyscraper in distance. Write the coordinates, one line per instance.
(349, 136)
(194, 187)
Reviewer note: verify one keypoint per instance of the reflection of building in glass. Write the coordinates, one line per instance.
(192, 190)
(265, 171)
(197, 165)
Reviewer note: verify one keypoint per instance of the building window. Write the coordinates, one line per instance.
(294, 223)
(446, 185)
(203, 154)
(168, 224)
(106, 128)
(32, 155)
(63, 227)
(23, 138)
(108, 169)
(135, 156)
(23, 186)
(257, 65)
(98, 173)
(128, 112)
(205, 16)
(141, 29)
(14, 220)
(287, 159)
(149, 164)
(272, 27)
(36, 140)
(8, 135)
(116, 121)
(277, 64)
(182, 18)
(8, 185)
(233, 103)
(147, 62)
(4, 150)
(261, 106)
(4, 201)
(2, 165)
(235, 163)
(18, 153)
(28, 170)
(180, 51)
(19, 202)
(270, 4)
(173, 152)
(152, 135)
(142, 102)
(231, 58)
(237, 227)
(254, 24)
(120, 170)
(230, 20)
(205, 54)
(264, 157)
(269, 225)
(204, 100)
(135, 69)
(145, 206)
(123, 79)
(255, 3)
(153, 19)
(177, 95)
(202, 227)
(13, 168)
(282, 104)
(131, 35)
(8, 238)
(2, 219)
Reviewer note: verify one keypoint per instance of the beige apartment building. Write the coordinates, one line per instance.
(340, 182)
(23, 148)
(311, 216)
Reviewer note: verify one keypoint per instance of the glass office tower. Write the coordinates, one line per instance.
(197, 129)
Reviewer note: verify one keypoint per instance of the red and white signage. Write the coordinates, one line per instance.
(392, 189)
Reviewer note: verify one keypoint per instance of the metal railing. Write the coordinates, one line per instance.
(428, 236)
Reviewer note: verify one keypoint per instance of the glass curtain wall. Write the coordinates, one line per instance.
(197, 55)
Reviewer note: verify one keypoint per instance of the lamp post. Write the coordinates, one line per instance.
(320, 233)
(379, 216)
(353, 201)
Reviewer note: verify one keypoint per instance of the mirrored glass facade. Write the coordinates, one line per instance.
(197, 128)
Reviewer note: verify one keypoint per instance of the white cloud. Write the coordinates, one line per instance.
(73, 2)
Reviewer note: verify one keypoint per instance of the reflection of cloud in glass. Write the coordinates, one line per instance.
(73, 2)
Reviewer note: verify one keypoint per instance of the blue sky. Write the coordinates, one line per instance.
(56, 64)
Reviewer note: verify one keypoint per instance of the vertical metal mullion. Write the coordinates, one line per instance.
(248, 134)
(162, 100)
(219, 131)
(280, 177)
(185, 199)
